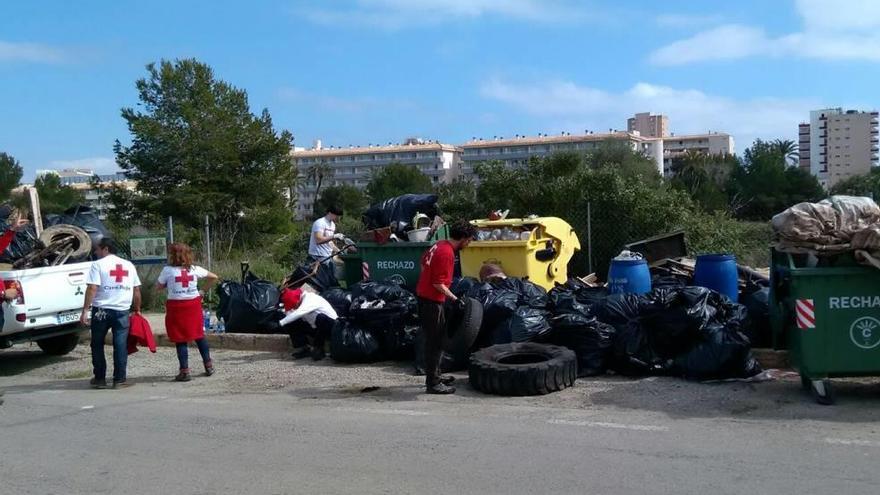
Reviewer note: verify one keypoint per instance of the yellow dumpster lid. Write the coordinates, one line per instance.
(553, 226)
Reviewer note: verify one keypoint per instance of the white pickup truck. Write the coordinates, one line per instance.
(50, 300)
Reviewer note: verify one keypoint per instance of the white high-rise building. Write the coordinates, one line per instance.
(842, 144)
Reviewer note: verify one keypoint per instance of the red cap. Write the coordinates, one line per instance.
(291, 298)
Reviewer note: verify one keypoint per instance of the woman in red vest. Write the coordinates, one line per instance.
(183, 307)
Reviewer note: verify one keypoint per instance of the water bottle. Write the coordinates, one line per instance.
(207, 316)
(220, 327)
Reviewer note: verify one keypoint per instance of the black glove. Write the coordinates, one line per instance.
(459, 304)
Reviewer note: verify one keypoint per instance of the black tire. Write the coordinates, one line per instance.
(465, 334)
(522, 369)
(83, 245)
(59, 345)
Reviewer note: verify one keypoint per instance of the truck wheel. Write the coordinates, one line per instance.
(823, 392)
(523, 369)
(59, 345)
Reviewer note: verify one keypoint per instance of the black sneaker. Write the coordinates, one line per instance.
(98, 384)
(209, 368)
(122, 384)
(440, 389)
(183, 376)
(447, 379)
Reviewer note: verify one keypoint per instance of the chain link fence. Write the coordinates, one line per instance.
(603, 234)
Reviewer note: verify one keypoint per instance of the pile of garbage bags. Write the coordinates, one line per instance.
(377, 321)
(685, 331)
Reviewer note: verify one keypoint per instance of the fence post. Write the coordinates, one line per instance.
(170, 234)
(208, 241)
(589, 238)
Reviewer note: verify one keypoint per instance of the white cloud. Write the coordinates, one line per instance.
(100, 164)
(399, 14)
(840, 30)
(30, 52)
(566, 105)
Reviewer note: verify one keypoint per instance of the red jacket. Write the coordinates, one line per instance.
(140, 334)
(6, 239)
(438, 264)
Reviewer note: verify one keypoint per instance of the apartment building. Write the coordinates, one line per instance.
(713, 143)
(84, 180)
(841, 144)
(516, 151)
(804, 147)
(647, 125)
(354, 165)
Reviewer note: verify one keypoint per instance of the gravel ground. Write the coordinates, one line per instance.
(251, 372)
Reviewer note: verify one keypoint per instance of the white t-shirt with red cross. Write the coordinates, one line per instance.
(116, 279)
(182, 283)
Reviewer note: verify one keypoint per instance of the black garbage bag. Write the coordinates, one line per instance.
(590, 339)
(669, 281)
(340, 299)
(563, 301)
(398, 343)
(323, 279)
(675, 318)
(498, 306)
(390, 293)
(398, 212)
(633, 354)
(525, 325)
(530, 294)
(584, 293)
(757, 304)
(619, 310)
(23, 243)
(462, 286)
(447, 362)
(351, 343)
(84, 217)
(251, 307)
(721, 354)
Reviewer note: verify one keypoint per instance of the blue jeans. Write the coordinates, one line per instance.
(104, 320)
(183, 353)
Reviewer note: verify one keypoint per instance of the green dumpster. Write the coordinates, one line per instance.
(827, 314)
(398, 261)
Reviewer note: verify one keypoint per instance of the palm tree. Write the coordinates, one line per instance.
(317, 173)
(787, 149)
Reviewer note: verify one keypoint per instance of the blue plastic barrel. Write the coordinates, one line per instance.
(718, 272)
(629, 277)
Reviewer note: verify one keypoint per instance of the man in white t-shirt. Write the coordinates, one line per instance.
(113, 289)
(321, 246)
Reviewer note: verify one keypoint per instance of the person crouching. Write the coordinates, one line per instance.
(183, 307)
(307, 314)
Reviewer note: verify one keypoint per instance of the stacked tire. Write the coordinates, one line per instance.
(520, 369)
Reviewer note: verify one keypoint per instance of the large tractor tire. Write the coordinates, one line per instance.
(523, 369)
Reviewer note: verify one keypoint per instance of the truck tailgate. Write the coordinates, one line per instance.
(51, 296)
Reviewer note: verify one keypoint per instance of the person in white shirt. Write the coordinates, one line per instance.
(114, 288)
(321, 246)
(307, 314)
(183, 306)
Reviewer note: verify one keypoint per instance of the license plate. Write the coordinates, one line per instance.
(69, 317)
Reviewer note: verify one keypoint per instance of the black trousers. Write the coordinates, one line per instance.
(300, 331)
(433, 322)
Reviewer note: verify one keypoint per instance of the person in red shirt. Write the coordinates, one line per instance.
(438, 264)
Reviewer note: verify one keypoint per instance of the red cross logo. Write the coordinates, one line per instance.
(185, 278)
(119, 273)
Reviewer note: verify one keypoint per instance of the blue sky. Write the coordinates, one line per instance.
(373, 71)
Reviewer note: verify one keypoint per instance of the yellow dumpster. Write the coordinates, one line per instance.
(535, 248)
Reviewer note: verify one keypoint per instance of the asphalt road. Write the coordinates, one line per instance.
(606, 436)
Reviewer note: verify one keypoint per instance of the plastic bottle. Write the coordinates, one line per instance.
(207, 318)
(220, 327)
